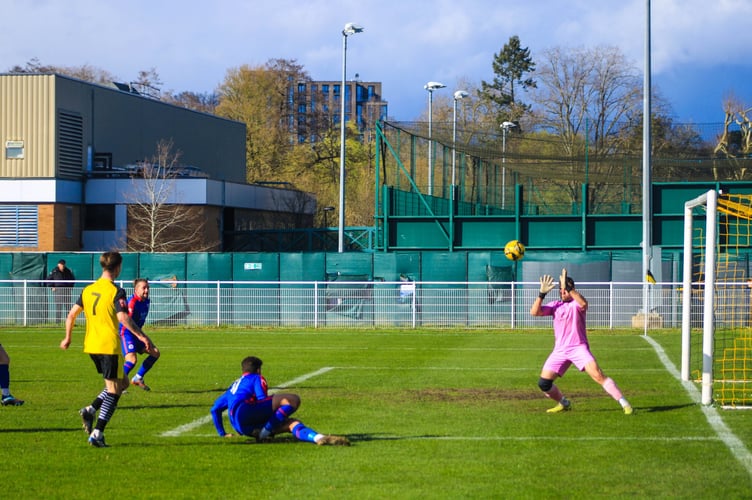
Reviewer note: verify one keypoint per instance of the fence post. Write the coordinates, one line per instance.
(315, 304)
(219, 303)
(25, 303)
(413, 307)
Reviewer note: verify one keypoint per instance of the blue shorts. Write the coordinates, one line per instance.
(248, 417)
(131, 343)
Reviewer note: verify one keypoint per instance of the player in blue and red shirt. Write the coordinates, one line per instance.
(254, 412)
(138, 309)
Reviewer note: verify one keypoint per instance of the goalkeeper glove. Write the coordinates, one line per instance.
(546, 285)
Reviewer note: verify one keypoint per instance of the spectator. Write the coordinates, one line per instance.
(61, 281)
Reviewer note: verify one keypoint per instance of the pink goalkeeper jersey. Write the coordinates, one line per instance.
(569, 323)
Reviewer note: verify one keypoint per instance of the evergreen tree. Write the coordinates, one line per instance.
(510, 66)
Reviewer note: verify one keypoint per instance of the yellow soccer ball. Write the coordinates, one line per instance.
(514, 250)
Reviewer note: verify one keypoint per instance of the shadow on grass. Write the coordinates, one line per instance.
(160, 407)
(655, 409)
(37, 430)
(357, 438)
(196, 391)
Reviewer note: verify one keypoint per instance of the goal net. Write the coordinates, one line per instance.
(717, 298)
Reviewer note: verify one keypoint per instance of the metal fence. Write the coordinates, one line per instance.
(370, 304)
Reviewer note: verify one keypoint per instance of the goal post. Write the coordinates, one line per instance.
(716, 338)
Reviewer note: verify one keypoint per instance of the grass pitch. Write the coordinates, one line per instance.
(431, 414)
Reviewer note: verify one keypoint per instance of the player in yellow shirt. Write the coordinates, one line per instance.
(105, 307)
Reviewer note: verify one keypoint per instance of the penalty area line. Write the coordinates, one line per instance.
(177, 431)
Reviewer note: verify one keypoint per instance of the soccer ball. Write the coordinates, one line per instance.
(514, 250)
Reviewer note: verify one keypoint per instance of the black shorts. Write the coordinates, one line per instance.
(109, 365)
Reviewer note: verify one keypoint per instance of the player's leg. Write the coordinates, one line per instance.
(111, 368)
(284, 405)
(594, 370)
(89, 412)
(555, 366)
(130, 361)
(7, 399)
(146, 365)
(132, 346)
(303, 433)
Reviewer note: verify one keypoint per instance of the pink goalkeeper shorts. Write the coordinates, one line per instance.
(561, 359)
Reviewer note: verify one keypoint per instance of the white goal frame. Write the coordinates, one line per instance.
(710, 201)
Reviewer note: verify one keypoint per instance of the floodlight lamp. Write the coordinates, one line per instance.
(351, 29)
(508, 125)
(460, 94)
(431, 86)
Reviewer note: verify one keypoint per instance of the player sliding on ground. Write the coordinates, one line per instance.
(570, 343)
(253, 412)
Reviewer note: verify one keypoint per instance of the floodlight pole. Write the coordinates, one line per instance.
(460, 94)
(504, 128)
(647, 231)
(350, 29)
(430, 87)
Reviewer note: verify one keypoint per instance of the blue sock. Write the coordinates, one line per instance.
(4, 377)
(282, 414)
(303, 433)
(146, 365)
(127, 367)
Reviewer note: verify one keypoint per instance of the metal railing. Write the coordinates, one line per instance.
(487, 305)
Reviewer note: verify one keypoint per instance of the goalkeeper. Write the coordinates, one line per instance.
(570, 343)
(253, 412)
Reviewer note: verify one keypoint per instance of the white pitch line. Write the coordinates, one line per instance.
(734, 444)
(177, 431)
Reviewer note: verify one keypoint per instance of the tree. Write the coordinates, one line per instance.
(157, 221)
(260, 97)
(586, 98)
(86, 72)
(510, 65)
(734, 146)
(202, 102)
(148, 83)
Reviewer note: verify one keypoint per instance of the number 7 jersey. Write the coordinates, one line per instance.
(101, 301)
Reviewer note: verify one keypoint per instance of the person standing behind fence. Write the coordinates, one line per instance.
(571, 344)
(105, 307)
(138, 309)
(61, 281)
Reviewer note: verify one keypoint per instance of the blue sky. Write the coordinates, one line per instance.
(700, 48)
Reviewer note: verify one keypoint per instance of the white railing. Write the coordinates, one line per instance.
(359, 304)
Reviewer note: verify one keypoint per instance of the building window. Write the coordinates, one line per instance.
(301, 88)
(99, 218)
(19, 226)
(14, 150)
(325, 89)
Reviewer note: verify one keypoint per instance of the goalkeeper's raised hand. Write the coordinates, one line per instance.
(546, 284)
(563, 279)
